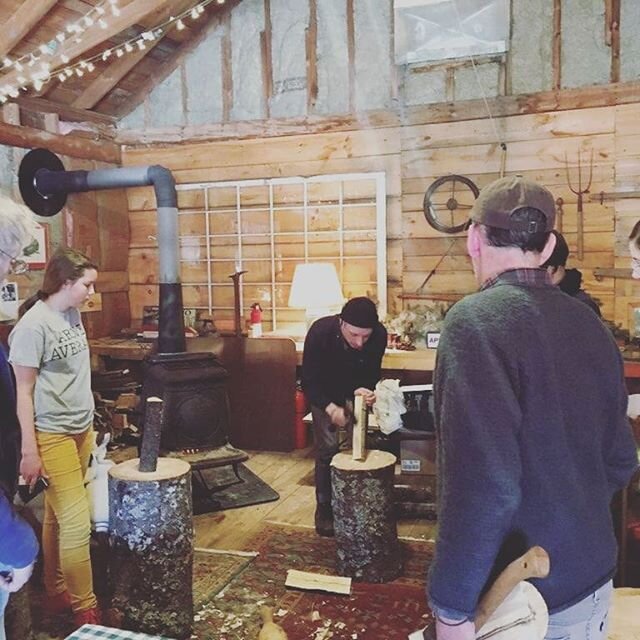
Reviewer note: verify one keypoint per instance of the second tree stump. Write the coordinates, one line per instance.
(364, 517)
(151, 535)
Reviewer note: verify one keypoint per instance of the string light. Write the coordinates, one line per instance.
(137, 43)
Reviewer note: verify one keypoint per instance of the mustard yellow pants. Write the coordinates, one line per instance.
(66, 528)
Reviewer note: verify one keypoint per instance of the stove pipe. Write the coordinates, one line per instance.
(171, 338)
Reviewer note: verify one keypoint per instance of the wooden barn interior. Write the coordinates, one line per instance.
(351, 133)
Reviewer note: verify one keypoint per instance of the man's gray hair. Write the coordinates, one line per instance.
(17, 225)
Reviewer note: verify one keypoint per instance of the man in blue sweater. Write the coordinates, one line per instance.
(18, 544)
(533, 438)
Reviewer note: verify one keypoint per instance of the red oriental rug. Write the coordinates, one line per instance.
(373, 611)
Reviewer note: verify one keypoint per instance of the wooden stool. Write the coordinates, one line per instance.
(151, 535)
(364, 516)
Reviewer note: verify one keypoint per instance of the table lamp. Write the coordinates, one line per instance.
(316, 289)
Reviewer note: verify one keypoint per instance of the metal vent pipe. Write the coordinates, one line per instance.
(44, 185)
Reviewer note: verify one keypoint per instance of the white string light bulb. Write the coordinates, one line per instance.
(93, 18)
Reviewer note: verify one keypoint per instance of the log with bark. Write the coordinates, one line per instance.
(151, 537)
(364, 517)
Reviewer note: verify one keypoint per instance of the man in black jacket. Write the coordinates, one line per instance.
(569, 280)
(342, 358)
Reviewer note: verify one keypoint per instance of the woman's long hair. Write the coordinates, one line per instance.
(64, 265)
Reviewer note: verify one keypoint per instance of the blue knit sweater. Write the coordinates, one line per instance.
(533, 442)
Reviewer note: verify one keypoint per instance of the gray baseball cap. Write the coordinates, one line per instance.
(499, 200)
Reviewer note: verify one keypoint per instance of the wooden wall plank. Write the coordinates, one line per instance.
(412, 157)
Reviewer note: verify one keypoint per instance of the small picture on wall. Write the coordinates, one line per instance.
(35, 253)
(9, 292)
(9, 301)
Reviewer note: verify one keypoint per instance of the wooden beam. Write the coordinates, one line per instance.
(543, 102)
(267, 60)
(21, 22)
(118, 68)
(66, 112)
(135, 11)
(613, 30)
(556, 54)
(109, 78)
(28, 138)
(311, 42)
(167, 68)
(227, 72)
(351, 54)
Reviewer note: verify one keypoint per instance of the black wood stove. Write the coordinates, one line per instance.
(192, 386)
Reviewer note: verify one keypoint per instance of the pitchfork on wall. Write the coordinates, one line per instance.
(580, 193)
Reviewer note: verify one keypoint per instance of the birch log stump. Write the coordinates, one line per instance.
(151, 536)
(364, 517)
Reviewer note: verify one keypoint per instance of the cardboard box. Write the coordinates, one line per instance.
(418, 456)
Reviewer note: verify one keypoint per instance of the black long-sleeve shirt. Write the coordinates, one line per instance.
(332, 370)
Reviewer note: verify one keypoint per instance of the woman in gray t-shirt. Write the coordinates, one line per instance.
(49, 353)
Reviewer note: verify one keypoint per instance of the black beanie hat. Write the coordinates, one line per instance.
(360, 312)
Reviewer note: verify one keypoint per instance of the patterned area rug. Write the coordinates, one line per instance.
(228, 590)
(212, 571)
(373, 611)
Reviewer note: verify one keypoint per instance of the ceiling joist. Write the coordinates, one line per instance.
(118, 69)
(21, 23)
(129, 16)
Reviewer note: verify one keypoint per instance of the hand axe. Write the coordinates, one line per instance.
(533, 564)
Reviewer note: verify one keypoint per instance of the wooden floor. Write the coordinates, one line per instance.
(286, 473)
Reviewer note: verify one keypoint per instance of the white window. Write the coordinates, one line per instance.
(431, 30)
(267, 227)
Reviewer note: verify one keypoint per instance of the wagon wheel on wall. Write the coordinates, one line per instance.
(448, 201)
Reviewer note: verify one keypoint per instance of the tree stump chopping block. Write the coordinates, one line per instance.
(364, 517)
(151, 536)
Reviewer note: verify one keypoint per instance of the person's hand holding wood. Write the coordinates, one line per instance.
(368, 395)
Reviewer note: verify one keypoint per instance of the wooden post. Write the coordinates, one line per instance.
(151, 536)
(151, 435)
(364, 518)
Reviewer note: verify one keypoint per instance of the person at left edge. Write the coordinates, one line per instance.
(18, 544)
(342, 357)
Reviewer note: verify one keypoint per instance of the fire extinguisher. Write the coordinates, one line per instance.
(256, 320)
(300, 427)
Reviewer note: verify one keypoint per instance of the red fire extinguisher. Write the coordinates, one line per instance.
(256, 320)
(300, 436)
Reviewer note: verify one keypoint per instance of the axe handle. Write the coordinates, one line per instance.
(533, 564)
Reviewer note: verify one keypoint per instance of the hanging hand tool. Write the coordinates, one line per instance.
(580, 193)
(559, 213)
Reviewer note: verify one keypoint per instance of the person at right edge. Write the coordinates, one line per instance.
(533, 437)
(569, 280)
(342, 357)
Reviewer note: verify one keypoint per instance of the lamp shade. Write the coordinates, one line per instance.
(315, 286)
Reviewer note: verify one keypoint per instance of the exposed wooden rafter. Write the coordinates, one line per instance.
(168, 67)
(21, 22)
(64, 111)
(543, 102)
(129, 15)
(75, 146)
(118, 68)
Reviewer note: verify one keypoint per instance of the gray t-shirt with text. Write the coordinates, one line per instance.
(55, 343)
